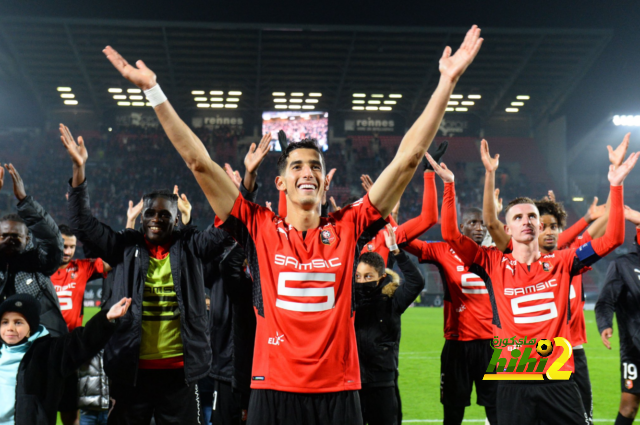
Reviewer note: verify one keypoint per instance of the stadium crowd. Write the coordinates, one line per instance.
(301, 318)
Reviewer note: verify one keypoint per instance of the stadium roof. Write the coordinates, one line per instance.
(259, 59)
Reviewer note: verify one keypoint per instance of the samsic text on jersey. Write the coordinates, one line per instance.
(305, 339)
(531, 301)
(467, 308)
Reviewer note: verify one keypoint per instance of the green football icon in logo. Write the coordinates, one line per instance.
(544, 347)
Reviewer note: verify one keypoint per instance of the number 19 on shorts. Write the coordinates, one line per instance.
(629, 371)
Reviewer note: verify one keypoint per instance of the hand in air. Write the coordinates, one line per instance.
(441, 170)
(18, 184)
(256, 155)
(77, 151)
(366, 182)
(183, 205)
(606, 334)
(550, 196)
(632, 216)
(595, 211)
(134, 211)
(233, 175)
(453, 66)
(490, 164)
(616, 157)
(618, 174)
(119, 309)
(497, 201)
(139, 75)
(390, 238)
(333, 204)
(1, 177)
(437, 155)
(327, 184)
(268, 204)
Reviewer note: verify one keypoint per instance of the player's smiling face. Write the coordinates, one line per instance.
(548, 239)
(304, 178)
(523, 223)
(158, 220)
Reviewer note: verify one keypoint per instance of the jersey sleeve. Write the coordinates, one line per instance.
(361, 214)
(462, 245)
(427, 252)
(244, 220)
(92, 266)
(428, 216)
(568, 236)
(594, 250)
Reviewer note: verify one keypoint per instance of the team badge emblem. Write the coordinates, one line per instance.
(628, 384)
(370, 247)
(327, 237)
(546, 266)
(73, 275)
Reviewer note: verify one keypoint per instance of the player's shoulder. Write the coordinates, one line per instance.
(493, 252)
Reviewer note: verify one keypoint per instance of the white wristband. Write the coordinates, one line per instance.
(393, 247)
(155, 96)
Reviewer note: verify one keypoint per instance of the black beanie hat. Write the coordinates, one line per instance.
(26, 305)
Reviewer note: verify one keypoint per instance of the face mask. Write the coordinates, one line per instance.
(368, 287)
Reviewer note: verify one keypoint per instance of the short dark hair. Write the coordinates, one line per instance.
(374, 260)
(148, 198)
(518, 201)
(302, 144)
(471, 210)
(65, 230)
(12, 217)
(553, 208)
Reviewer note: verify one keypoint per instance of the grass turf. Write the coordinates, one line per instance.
(420, 368)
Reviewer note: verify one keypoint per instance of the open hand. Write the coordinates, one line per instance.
(139, 75)
(18, 184)
(497, 201)
(183, 205)
(327, 184)
(618, 174)
(441, 170)
(616, 157)
(550, 196)
(595, 211)
(333, 204)
(453, 66)
(256, 155)
(632, 216)
(233, 175)
(390, 239)
(119, 309)
(77, 151)
(606, 334)
(268, 204)
(490, 164)
(366, 182)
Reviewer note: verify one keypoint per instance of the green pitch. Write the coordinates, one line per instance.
(420, 369)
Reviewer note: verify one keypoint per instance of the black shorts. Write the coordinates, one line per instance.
(530, 403)
(69, 400)
(581, 376)
(381, 405)
(228, 406)
(629, 364)
(269, 407)
(461, 364)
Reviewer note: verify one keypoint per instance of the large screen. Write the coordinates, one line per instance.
(297, 126)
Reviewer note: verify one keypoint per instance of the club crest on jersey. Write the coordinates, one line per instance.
(370, 247)
(73, 275)
(546, 266)
(327, 236)
(628, 384)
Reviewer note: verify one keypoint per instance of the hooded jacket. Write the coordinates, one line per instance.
(621, 294)
(127, 252)
(377, 323)
(29, 271)
(44, 365)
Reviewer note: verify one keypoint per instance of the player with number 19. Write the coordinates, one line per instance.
(529, 294)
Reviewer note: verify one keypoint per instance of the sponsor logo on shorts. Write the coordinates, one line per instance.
(526, 360)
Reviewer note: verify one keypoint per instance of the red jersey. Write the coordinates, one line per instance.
(532, 301)
(70, 284)
(303, 296)
(577, 300)
(467, 307)
(379, 244)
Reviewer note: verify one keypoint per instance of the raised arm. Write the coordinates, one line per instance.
(428, 217)
(220, 192)
(489, 204)
(132, 213)
(108, 244)
(413, 280)
(462, 245)
(388, 188)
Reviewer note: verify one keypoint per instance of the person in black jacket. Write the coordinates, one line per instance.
(380, 301)
(33, 364)
(621, 294)
(31, 250)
